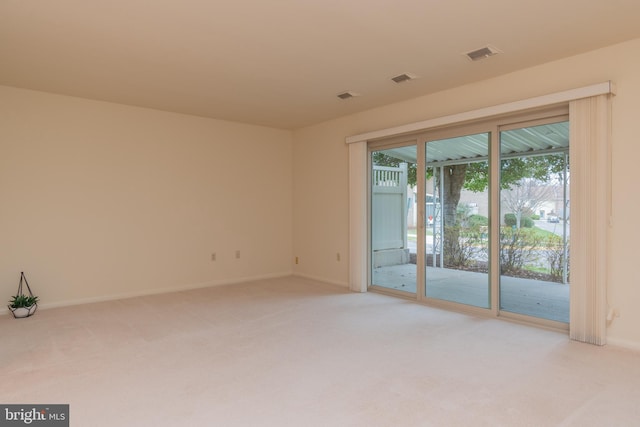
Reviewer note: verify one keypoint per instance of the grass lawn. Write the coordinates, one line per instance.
(412, 233)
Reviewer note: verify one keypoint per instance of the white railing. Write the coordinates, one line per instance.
(384, 176)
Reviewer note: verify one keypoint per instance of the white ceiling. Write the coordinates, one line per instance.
(281, 63)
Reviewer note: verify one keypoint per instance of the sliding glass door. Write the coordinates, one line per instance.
(534, 221)
(476, 216)
(457, 219)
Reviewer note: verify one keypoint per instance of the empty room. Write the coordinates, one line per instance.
(319, 213)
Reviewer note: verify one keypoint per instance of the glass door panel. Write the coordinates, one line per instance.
(534, 217)
(457, 220)
(394, 218)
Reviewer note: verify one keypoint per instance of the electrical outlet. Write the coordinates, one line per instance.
(213, 256)
(338, 256)
(237, 254)
(297, 260)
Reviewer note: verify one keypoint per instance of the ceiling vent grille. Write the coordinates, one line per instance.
(482, 53)
(401, 78)
(347, 95)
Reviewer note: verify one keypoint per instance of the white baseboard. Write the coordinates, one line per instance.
(622, 343)
(157, 291)
(322, 279)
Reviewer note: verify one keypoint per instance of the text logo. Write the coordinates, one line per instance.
(34, 415)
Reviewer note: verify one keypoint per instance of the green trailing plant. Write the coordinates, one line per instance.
(20, 301)
(22, 305)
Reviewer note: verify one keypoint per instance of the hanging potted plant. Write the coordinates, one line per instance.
(22, 305)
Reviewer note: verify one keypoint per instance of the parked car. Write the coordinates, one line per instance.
(553, 218)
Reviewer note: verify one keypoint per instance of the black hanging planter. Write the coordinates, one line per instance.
(23, 305)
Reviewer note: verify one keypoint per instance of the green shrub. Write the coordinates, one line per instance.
(555, 254)
(518, 248)
(525, 222)
(461, 247)
(535, 217)
(510, 220)
(477, 221)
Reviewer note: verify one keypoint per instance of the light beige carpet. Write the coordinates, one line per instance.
(293, 352)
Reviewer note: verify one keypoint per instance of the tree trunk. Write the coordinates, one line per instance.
(454, 176)
(453, 181)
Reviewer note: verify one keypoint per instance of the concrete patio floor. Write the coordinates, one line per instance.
(536, 298)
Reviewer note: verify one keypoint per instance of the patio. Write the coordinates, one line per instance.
(536, 298)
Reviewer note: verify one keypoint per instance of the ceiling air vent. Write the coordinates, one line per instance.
(348, 94)
(482, 53)
(405, 77)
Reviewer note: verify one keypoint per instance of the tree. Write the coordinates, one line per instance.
(541, 168)
(454, 179)
(526, 196)
(474, 176)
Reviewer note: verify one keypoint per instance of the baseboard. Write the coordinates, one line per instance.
(629, 345)
(322, 279)
(158, 291)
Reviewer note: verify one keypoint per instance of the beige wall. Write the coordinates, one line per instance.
(99, 200)
(321, 223)
(321, 216)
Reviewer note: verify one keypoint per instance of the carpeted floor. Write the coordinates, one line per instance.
(294, 352)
